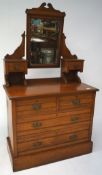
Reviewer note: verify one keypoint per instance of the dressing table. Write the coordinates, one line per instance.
(48, 119)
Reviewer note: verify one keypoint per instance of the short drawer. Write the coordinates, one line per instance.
(75, 66)
(37, 145)
(16, 67)
(36, 105)
(69, 65)
(75, 101)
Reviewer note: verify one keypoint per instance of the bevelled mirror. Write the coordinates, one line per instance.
(44, 36)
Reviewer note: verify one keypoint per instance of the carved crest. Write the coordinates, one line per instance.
(45, 9)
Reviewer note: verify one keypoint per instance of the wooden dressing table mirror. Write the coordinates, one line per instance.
(48, 119)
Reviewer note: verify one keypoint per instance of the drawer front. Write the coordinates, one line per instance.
(51, 131)
(36, 106)
(29, 135)
(63, 120)
(16, 67)
(28, 116)
(72, 65)
(48, 142)
(75, 66)
(75, 101)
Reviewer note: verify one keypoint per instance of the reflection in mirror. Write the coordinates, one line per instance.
(44, 41)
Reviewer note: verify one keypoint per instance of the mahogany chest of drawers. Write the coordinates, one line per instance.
(49, 121)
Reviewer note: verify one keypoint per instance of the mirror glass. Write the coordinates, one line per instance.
(44, 42)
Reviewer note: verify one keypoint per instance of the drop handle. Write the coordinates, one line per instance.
(74, 119)
(76, 102)
(37, 144)
(36, 124)
(36, 107)
(73, 137)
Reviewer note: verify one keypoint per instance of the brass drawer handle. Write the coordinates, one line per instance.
(37, 144)
(36, 124)
(76, 102)
(74, 119)
(73, 137)
(36, 107)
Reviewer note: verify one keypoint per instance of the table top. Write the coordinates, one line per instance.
(44, 87)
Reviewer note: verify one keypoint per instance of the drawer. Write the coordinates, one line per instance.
(75, 66)
(69, 65)
(37, 145)
(29, 135)
(16, 67)
(79, 114)
(75, 101)
(36, 105)
(63, 120)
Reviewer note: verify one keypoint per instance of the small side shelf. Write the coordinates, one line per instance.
(15, 71)
(70, 68)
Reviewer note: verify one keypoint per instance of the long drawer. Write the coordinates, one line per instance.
(63, 120)
(70, 138)
(75, 101)
(51, 132)
(36, 105)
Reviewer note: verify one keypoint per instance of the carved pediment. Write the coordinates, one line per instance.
(45, 9)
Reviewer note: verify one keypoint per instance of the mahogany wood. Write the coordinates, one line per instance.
(48, 156)
(48, 119)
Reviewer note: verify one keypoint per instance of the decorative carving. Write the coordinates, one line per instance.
(50, 6)
(65, 52)
(19, 52)
(16, 66)
(69, 68)
(43, 5)
(45, 9)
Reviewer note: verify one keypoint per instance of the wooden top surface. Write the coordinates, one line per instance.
(44, 87)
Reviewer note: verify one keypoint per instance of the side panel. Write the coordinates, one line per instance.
(12, 125)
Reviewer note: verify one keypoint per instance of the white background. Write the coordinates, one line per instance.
(83, 29)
